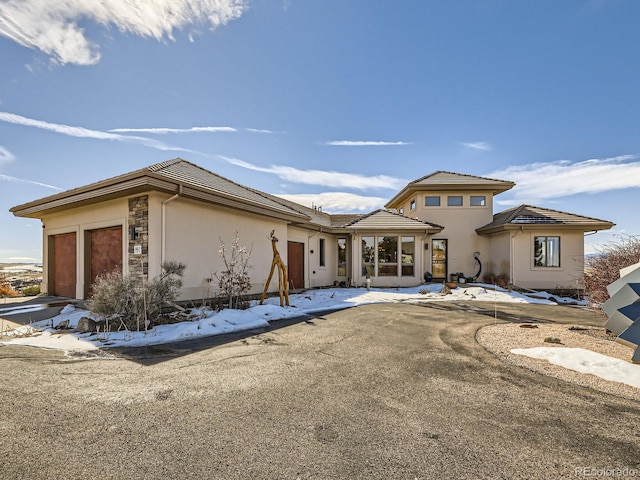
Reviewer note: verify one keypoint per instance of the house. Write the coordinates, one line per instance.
(176, 210)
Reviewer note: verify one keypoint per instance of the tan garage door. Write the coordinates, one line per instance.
(105, 247)
(295, 261)
(63, 253)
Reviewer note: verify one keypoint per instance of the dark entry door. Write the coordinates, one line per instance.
(439, 258)
(295, 261)
(105, 251)
(64, 264)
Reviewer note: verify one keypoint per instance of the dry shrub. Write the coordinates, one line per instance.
(7, 290)
(604, 268)
(124, 301)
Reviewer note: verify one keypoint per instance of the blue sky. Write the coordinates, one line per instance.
(336, 102)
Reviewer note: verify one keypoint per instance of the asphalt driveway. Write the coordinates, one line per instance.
(381, 391)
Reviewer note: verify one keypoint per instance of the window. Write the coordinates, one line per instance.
(546, 252)
(408, 256)
(412, 205)
(387, 256)
(368, 256)
(431, 201)
(454, 201)
(321, 247)
(401, 211)
(478, 201)
(342, 257)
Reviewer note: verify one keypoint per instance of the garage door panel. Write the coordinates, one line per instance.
(105, 251)
(64, 265)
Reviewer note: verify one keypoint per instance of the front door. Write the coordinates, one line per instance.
(439, 258)
(295, 264)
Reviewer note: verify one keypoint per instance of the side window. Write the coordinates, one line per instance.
(322, 252)
(478, 201)
(368, 256)
(454, 200)
(546, 251)
(342, 257)
(412, 205)
(431, 201)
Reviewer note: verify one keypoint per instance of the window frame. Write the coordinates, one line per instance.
(432, 197)
(483, 202)
(549, 257)
(451, 197)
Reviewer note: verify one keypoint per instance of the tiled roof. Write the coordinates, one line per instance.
(442, 180)
(386, 220)
(185, 172)
(531, 215)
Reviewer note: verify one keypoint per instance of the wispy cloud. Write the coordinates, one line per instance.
(540, 181)
(85, 133)
(163, 131)
(323, 177)
(53, 27)
(363, 143)
(8, 178)
(484, 146)
(5, 155)
(337, 202)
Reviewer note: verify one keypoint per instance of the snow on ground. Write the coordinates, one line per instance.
(207, 322)
(586, 361)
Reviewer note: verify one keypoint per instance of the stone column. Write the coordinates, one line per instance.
(138, 244)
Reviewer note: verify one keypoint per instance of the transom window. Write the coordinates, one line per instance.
(454, 200)
(431, 201)
(546, 252)
(478, 201)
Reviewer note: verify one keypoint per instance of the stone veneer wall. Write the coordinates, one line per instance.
(139, 220)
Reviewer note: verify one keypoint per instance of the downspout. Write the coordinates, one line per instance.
(163, 227)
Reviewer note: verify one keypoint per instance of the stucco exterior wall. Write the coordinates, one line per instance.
(499, 261)
(459, 225)
(317, 275)
(192, 235)
(570, 274)
(105, 214)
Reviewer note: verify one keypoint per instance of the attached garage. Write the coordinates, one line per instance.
(62, 275)
(103, 252)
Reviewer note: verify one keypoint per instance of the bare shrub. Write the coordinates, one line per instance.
(124, 301)
(604, 268)
(234, 280)
(6, 290)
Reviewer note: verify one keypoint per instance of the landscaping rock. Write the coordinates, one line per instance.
(85, 325)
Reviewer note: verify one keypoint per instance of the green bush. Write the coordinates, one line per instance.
(124, 301)
(31, 291)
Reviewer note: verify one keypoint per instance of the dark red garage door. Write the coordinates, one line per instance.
(63, 252)
(295, 267)
(105, 251)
